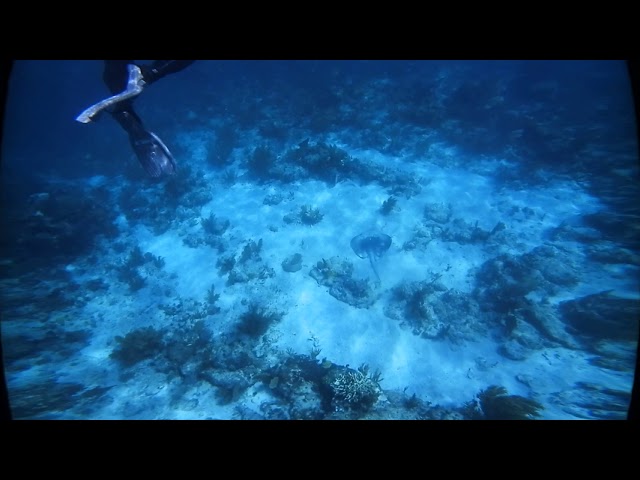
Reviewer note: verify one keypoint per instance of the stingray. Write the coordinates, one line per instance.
(371, 246)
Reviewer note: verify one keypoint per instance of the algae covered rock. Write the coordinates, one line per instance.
(292, 263)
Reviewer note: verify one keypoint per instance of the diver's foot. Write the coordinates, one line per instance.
(153, 155)
(135, 84)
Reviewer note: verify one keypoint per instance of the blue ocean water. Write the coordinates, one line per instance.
(340, 240)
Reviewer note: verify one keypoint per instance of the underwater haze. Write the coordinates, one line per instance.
(341, 240)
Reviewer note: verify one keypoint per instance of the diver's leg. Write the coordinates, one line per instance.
(114, 77)
(151, 152)
(116, 74)
(161, 68)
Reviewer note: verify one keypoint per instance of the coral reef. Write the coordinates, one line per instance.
(257, 319)
(388, 205)
(603, 316)
(60, 224)
(249, 265)
(138, 345)
(467, 118)
(320, 160)
(49, 400)
(307, 215)
(213, 225)
(297, 382)
(438, 223)
(229, 176)
(355, 292)
(21, 350)
(503, 282)
(225, 263)
(229, 386)
(615, 355)
(432, 311)
(327, 272)
(438, 212)
(260, 162)
(292, 263)
(219, 152)
(165, 205)
(211, 299)
(336, 274)
(185, 352)
(356, 390)
(590, 400)
(310, 215)
(494, 403)
(273, 199)
(129, 271)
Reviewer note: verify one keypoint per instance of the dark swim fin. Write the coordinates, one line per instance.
(153, 154)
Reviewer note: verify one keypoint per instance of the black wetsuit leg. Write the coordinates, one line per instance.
(151, 153)
(116, 76)
(161, 68)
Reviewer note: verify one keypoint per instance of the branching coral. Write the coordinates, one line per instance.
(388, 205)
(128, 271)
(251, 251)
(260, 162)
(327, 272)
(497, 405)
(256, 320)
(310, 215)
(213, 225)
(356, 389)
(211, 299)
(320, 160)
